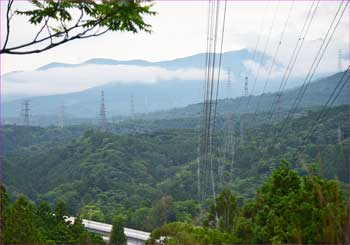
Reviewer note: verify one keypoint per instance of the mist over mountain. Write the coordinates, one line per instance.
(316, 95)
(133, 85)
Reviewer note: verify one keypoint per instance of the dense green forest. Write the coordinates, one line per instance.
(149, 177)
(25, 223)
(287, 208)
(315, 96)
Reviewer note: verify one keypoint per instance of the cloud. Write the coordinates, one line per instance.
(179, 30)
(65, 80)
(263, 71)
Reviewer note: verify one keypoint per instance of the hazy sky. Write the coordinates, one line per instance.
(179, 30)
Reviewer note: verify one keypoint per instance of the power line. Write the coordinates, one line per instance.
(275, 55)
(330, 102)
(210, 128)
(203, 158)
(205, 167)
(219, 73)
(262, 22)
(320, 53)
(295, 54)
(262, 59)
(202, 135)
(245, 87)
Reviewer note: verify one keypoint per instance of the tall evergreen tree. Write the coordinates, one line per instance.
(4, 201)
(20, 224)
(294, 209)
(117, 235)
(222, 213)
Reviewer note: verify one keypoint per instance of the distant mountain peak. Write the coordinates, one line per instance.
(55, 65)
(139, 62)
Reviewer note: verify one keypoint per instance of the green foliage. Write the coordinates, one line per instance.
(184, 233)
(186, 211)
(117, 235)
(20, 223)
(287, 209)
(23, 141)
(113, 173)
(150, 177)
(114, 15)
(164, 210)
(67, 20)
(294, 209)
(223, 212)
(92, 212)
(23, 223)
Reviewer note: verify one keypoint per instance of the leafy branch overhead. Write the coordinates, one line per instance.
(66, 20)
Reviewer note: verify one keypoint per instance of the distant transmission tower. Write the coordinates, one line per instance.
(246, 86)
(146, 104)
(103, 119)
(339, 135)
(340, 66)
(25, 112)
(132, 106)
(62, 116)
(228, 82)
(279, 102)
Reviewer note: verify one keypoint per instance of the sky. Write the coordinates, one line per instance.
(179, 30)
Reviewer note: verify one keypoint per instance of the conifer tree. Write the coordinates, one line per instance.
(117, 235)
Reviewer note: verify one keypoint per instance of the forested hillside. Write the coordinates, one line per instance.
(116, 129)
(287, 209)
(99, 174)
(316, 94)
(23, 222)
(18, 140)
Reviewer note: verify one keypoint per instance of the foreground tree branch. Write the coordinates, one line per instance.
(57, 18)
(8, 19)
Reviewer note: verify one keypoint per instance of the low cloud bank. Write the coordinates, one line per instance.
(73, 79)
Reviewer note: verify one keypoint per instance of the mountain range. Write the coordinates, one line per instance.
(316, 95)
(138, 97)
(123, 97)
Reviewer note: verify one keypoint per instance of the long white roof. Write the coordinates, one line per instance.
(107, 228)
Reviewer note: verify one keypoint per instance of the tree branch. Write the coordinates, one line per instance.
(110, 15)
(66, 31)
(95, 34)
(38, 41)
(52, 45)
(8, 19)
(42, 28)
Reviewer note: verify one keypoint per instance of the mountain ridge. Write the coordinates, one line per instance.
(198, 58)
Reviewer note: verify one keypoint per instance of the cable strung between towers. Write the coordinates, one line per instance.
(206, 168)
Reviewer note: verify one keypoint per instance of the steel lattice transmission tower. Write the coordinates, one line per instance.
(25, 112)
(246, 86)
(132, 105)
(279, 102)
(340, 66)
(146, 104)
(103, 119)
(62, 116)
(228, 82)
